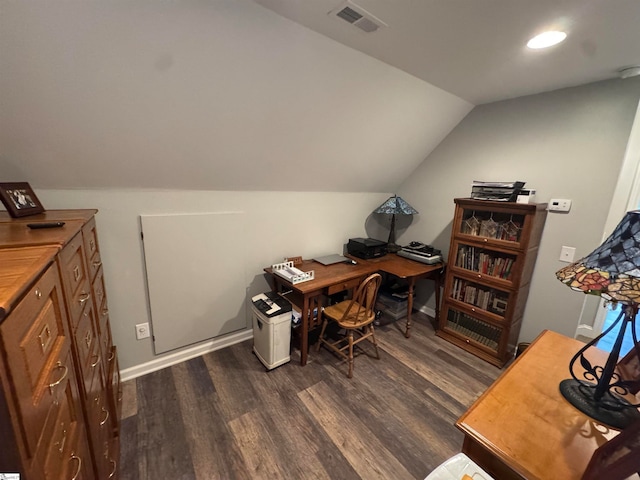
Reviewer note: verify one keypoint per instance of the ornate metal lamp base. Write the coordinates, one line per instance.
(393, 248)
(610, 410)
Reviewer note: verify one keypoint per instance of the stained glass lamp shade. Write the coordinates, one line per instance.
(611, 271)
(394, 206)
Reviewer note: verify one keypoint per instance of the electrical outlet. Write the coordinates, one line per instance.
(142, 331)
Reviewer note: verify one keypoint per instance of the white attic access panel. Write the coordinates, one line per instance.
(195, 278)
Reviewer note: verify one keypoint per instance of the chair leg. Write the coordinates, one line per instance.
(350, 374)
(373, 340)
(321, 337)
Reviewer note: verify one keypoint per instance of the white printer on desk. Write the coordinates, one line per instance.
(271, 319)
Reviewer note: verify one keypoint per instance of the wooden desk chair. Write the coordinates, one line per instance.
(355, 316)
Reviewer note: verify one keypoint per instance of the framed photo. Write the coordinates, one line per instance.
(19, 199)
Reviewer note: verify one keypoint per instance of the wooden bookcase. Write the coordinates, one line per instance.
(492, 255)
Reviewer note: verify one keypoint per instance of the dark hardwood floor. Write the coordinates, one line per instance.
(223, 416)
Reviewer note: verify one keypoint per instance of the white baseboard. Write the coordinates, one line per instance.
(202, 348)
(183, 355)
(586, 331)
(427, 311)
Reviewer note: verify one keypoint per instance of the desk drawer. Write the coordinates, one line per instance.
(341, 287)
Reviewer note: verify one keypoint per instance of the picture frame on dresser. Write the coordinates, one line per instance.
(19, 199)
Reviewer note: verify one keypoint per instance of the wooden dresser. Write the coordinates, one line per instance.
(60, 390)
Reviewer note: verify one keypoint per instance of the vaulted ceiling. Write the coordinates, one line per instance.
(273, 94)
(476, 49)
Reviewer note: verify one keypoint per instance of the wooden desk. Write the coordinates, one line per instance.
(522, 427)
(331, 279)
(411, 271)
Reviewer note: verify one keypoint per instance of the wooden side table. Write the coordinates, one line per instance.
(522, 427)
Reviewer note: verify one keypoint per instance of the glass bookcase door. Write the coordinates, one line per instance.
(485, 261)
(492, 225)
(473, 329)
(480, 297)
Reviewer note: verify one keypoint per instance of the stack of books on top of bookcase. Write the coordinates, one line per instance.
(497, 191)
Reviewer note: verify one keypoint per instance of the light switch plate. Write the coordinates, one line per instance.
(567, 254)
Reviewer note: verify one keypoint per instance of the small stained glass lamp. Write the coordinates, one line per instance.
(394, 206)
(611, 271)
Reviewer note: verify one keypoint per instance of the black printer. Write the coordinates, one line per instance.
(366, 248)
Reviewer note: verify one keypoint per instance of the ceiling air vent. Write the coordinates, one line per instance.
(358, 17)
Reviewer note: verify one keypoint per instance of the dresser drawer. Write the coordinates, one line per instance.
(37, 345)
(100, 429)
(99, 291)
(105, 337)
(75, 278)
(60, 441)
(114, 456)
(94, 263)
(74, 462)
(114, 390)
(91, 250)
(87, 344)
(90, 237)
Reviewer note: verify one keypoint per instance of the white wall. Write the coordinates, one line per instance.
(206, 95)
(152, 106)
(280, 225)
(568, 143)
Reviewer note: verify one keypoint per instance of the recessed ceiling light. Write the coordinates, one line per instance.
(546, 39)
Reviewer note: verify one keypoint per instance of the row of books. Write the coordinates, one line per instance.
(489, 300)
(476, 330)
(472, 258)
(497, 191)
(508, 230)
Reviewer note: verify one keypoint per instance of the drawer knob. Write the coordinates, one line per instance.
(83, 298)
(65, 371)
(79, 460)
(106, 417)
(96, 362)
(115, 467)
(38, 293)
(97, 265)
